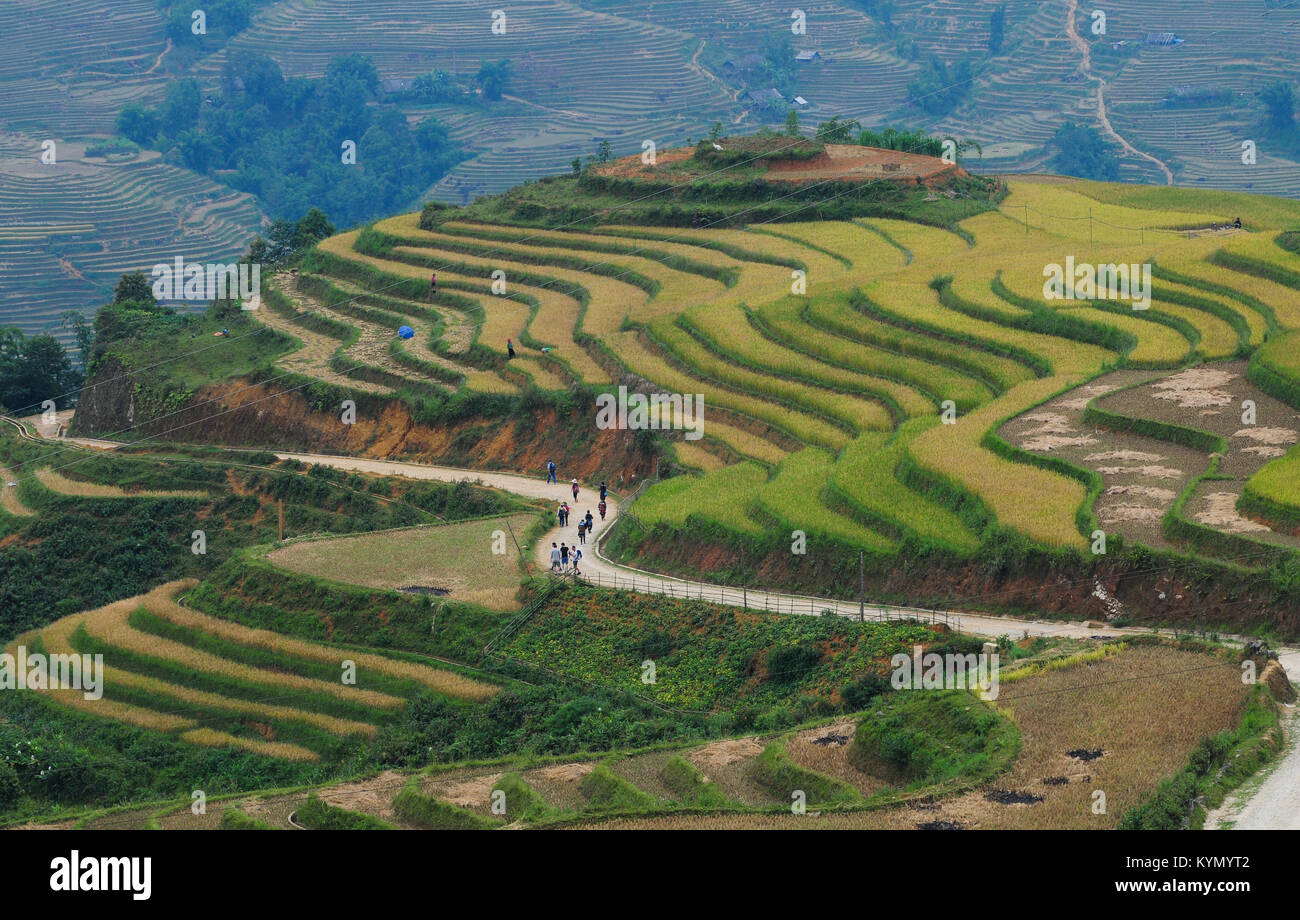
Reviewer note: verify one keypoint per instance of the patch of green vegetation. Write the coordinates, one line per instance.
(318, 815)
(605, 790)
(929, 737)
(689, 786)
(775, 771)
(770, 671)
(434, 814)
(522, 802)
(232, 819)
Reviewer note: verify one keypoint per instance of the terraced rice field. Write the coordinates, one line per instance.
(894, 369)
(213, 682)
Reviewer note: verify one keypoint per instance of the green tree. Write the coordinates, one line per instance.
(715, 132)
(33, 370)
(837, 130)
(136, 123)
(311, 229)
(1279, 103)
(792, 124)
(134, 288)
(1081, 151)
(492, 78)
(997, 27)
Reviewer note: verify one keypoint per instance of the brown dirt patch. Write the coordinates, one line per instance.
(724, 753)
(1221, 514)
(373, 796)
(1195, 388)
(1138, 456)
(571, 773)
(1117, 514)
(1269, 436)
(472, 793)
(1152, 492)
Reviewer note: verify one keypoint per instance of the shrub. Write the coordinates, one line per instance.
(606, 790)
(232, 819)
(318, 815)
(689, 786)
(858, 694)
(414, 806)
(775, 771)
(791, 663)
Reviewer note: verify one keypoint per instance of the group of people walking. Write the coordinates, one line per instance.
(565, 558)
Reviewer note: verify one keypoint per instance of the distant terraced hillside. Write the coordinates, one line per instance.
(663, 73)
(68, 230)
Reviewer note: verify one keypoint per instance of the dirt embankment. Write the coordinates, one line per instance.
(237, 413)
(1115, 591)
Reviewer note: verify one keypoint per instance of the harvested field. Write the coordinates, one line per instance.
(57, 482)
(456, 558)
(1122, 704)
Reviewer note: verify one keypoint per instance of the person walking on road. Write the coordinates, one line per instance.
(590, 521)
(604, 490)
(582, 530)
(555, 558)
(550, 471)
(559, 513)
(564, 556)
(577, 554)
(575, 490)
(601, 506)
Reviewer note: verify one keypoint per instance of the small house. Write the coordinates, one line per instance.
(807, 57)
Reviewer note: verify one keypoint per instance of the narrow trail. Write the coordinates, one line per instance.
(1274, 803)
(1085, 52)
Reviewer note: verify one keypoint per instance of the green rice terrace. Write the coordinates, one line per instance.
(906, 444)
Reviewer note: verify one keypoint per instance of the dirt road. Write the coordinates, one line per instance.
(1273, 802)
(600, 570)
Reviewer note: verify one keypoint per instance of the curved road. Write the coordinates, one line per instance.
(600, 570)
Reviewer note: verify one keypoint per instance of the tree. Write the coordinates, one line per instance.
(715, 132)
(33, 370)
(792, 124)
(604, 151)
(492, 78)
(997, 27)
(134, 288)
(311, 229)
(576, 165)
(837, 131)
(137, 124)
(180, 108)
(1279, 102)
(1082, 151)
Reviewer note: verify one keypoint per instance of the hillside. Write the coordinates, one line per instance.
(664, 73)
(882, 385)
